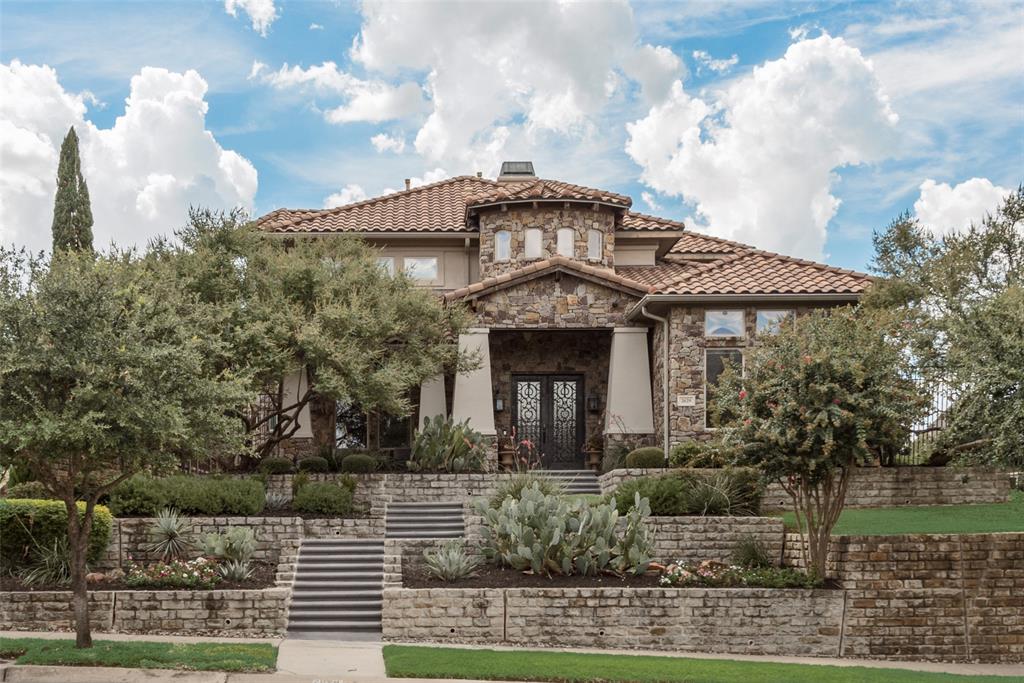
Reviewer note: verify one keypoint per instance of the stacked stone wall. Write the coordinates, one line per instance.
(559, 301)
(695, 539)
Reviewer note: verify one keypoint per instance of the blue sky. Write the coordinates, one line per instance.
(797, 127)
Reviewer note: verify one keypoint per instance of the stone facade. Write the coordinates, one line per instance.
(553, 301)
(517, 219)
(215, 612)
(694, 539)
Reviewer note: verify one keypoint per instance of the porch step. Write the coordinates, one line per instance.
(337, 588)
(575, 481)
(424, 520)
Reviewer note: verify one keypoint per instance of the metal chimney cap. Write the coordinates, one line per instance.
(512, 171)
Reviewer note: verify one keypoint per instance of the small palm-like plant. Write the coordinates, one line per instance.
(171, 537)
(450, 562)
(52, 564)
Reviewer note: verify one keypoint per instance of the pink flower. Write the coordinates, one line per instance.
(743, 394)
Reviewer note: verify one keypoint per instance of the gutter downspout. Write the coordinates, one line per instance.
(664, 372)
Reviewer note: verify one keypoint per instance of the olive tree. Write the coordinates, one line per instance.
(816, 400)
(104, 373)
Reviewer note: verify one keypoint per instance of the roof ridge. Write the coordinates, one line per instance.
(372, 200)
(542, 266)
(650, 216)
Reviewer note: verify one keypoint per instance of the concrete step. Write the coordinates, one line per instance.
(336, 625)
(410, 524)
(301, 584)
(342, 566)
(339, 604)
(411, 535)
(314, 575)
(354, 543)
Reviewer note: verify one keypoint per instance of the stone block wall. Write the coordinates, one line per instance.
(694, 539)
(216, 612)
(558, 301)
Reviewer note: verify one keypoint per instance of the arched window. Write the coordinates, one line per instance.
(502, 245)
(595, 245)
(566, 238)
(533, 243)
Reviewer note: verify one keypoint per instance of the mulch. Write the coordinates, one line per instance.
(493, 577)
(263, 576)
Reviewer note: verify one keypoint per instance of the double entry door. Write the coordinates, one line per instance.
(548, 410)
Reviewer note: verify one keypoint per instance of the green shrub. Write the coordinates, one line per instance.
(324, 498)
(28, 525)
(515, 485)
(727, 492)
(751, 552)
(314, 464)
(446, 446)
(358, 463)
(29, 490)
(701, 454)
(143, 496)
(276, 465)
(649, 456)
(614, 457)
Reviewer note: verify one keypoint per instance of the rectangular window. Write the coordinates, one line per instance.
(566, 239)
(723, 323)
(533, 243)
(769, 322)
(421, 268)
(595, 245)
(715, 361)
(387, 264)
(502, 245)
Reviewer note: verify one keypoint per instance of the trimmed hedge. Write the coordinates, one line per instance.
(143, 496)
(725, 492)
(359, 463)
(29, 490)
(650, 456)
(325, 498)
(24, 523)
(314, 464)
(276, 465)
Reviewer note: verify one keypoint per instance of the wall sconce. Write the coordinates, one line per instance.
(593, 403)
(499, 405)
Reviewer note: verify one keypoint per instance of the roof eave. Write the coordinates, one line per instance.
(810, 297)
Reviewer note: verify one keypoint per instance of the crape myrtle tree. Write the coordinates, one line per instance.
(962, 296)
(322, 306)
(103, 374)
(822, 396)
(72, 212)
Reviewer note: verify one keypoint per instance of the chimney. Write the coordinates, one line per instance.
(408, 183)
(516, 171)
(479, 174)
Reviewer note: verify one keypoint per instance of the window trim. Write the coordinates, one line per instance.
(743, 323)
(438, 260)
(790, 312)
(572, 242)
(600, 245)
(743, 370)
(526, 244)
(508, 246)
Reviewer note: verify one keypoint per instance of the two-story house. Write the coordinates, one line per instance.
(591, 321)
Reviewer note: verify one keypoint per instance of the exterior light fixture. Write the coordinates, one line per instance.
(593, 403)
(499, 405)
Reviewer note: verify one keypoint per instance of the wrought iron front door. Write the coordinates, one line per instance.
(548, 410)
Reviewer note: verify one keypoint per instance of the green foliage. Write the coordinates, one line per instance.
(51, 564)
(29, 489)
(237, 544)
(26, 525)
(142, 655)
(276, 465)
(701, 454)
(632, 552)
(646, 457)
(727, 492)
(235, 570)
(359, 463)
(514, 486)
(751, 552)
(143, 496)
(170, 534)
(72, 212)
(324, 498)
(614, 457)
(447, 446)
(550, 535)
(450, 562)
(960, 295)
(277, 501)
(314, 464)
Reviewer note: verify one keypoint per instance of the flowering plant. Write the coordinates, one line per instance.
(198, 573)
(717, 575)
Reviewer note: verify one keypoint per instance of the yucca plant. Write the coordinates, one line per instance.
(52, 564)
(277, 501)
(170, 534)
(450, 562)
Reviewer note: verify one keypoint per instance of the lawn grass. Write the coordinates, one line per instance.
(936, 519)
(142, 655)
(404, 661)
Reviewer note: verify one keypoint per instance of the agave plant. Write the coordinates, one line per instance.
(277, 500)
(450, 562)
(52, 564)
(171, 538)
(235, 570)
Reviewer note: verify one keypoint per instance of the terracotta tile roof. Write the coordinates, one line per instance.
(543, 267)
(641, 221)
(653, 276)
(438, 207)
(538, 189)
(697, 243)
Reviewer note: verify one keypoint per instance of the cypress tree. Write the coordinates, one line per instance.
(72, 214)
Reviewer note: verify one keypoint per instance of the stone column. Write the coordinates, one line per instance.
(432, 398)
(630, 402)
(474, 397)
(296, 384)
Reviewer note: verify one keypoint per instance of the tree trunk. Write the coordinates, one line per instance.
(78, 546)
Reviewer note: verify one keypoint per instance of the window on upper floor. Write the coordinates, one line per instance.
(723, 323)
(595, 245)
(533, 240)
(502, 245)
(421, 268)
(770, 322)
(387, 264)
(566, 242)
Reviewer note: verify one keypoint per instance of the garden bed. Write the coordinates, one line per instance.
(494, 577)
(263, 576)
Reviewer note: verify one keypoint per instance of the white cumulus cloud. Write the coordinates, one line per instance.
(706, 61)
(347, 195)
(943, 208)
(383, 142)
(759, 162)
(262, 13)
(143, 172)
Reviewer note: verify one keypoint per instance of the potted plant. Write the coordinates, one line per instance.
(594, 452)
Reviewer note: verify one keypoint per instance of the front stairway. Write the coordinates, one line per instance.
(575, 481)
(424, 520)
(337, 589)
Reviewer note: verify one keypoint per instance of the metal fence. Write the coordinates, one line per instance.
(925, 434)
